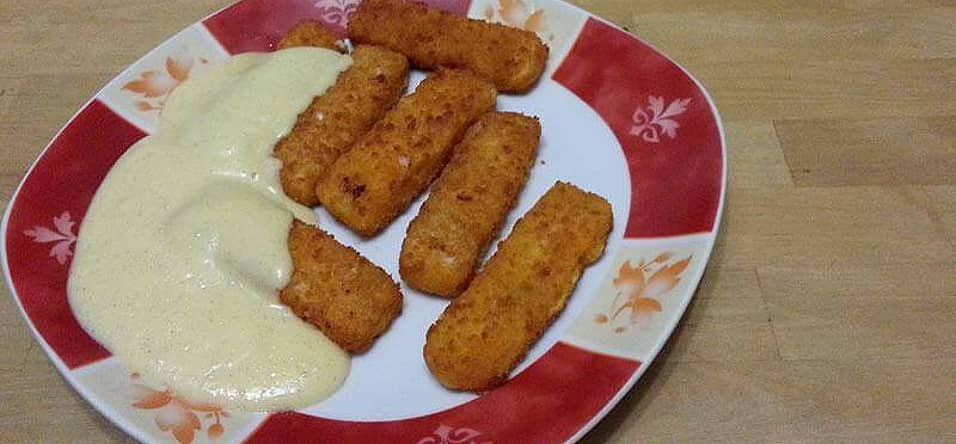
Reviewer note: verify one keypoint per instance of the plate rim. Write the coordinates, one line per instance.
(661, 340)
(711, 235)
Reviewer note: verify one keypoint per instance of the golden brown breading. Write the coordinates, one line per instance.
(309, 33)
(511, 58)
(331, 124)
(343, 294)
(468, 203)
(379, 176)
(485, 332)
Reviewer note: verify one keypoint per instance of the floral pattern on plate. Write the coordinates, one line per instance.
(61, 237)
(158, 415)
(639, 296)
(139, 92)
(176, 415)
(337, 12)
(450, 435)
(643, 295)
(653, 120)
(155, 85)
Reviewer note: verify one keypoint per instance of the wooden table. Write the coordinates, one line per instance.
(828, 313)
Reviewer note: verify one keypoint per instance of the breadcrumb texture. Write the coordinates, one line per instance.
(488, 329)
(468, 203)
(511, 58)
(376, 180)
(309, 33)
(335, 120)
(350, 299)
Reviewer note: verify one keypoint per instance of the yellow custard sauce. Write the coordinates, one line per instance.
(183, 249)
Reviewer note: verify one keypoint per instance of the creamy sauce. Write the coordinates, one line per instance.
(183, 248)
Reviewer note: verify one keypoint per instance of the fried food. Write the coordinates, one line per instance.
(309, 33)
(511, 58)
(487, 330)
(372, 183)
(351, 300)
(331, 124)
(468, 203)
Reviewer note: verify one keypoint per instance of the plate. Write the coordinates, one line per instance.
(618, 118)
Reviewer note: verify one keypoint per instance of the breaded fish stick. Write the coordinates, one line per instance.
(511, 58)
(328, 127)
(379, 176)
(350, 299)
(309, 33)
(485, 332)
(468, 203)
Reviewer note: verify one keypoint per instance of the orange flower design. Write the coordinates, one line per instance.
(176, 415)
(518, 14)
(641, 295)
(155, 85)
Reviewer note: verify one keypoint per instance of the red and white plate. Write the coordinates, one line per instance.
(618, 118)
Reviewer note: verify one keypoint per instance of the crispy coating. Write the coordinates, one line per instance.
(468, 203)
(511, 58)
(350, 299)
(488, 329)
(331, 124)
(372, 183)
(309, 33)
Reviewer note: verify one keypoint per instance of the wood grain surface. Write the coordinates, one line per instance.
(828, 312)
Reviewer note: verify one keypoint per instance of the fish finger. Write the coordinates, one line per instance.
(511, 58)
(328, 127)
(350, 299)
(488, 329)
(310, 33)
(468, 203)
(379, 176)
